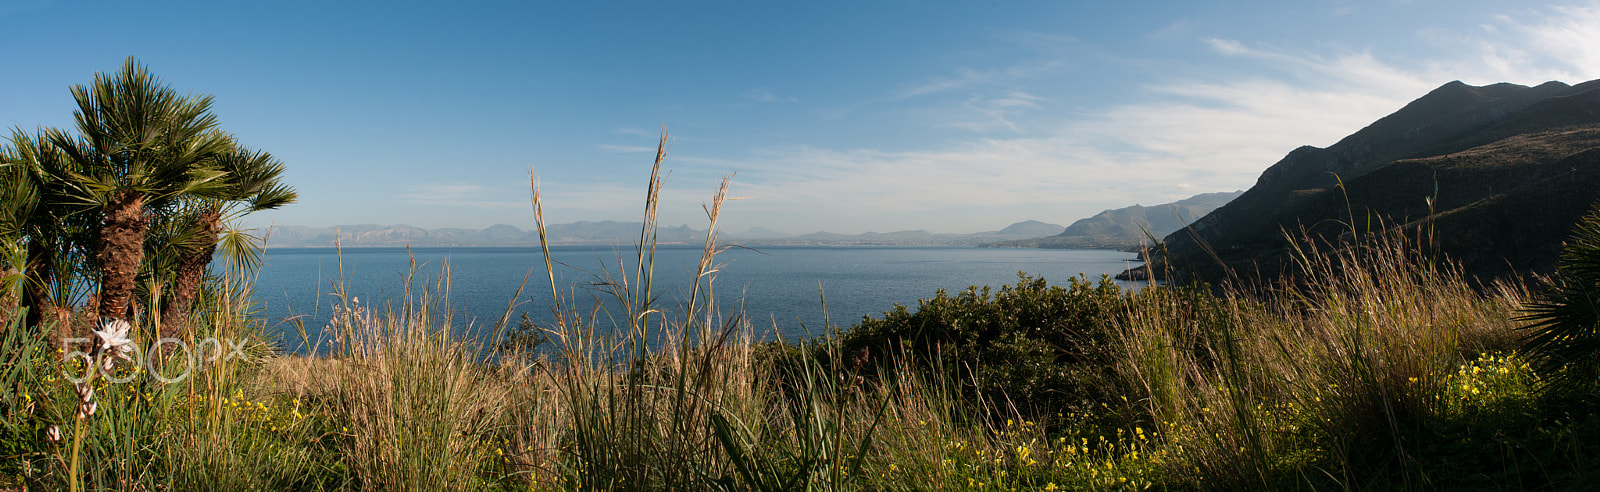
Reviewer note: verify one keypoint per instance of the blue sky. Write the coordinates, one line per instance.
(853, 116)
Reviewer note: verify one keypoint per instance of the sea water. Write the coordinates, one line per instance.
(779, 290)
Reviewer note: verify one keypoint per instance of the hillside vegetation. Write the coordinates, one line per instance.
(1494, 176)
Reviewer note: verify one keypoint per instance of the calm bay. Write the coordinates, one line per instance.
(780, 288)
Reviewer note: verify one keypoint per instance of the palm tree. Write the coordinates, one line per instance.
(252, 183)
(141, 147)
(19, 198)
(1566, 316)
(34, 222)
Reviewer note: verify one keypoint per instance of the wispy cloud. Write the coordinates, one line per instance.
(1246, 121)
(1562, 42)
(625, 148)
(638, 131)
(967, 77)
(811, 188)
(681, 197)
(1227, 46)
(1192, 132)
(459, 195)
(766, 96)
(997, 112)
(964, 77)
(1181, 28)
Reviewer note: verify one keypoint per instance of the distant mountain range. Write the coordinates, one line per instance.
(1121, 228)
(624, 233)
(1126, 228)
(1496, 175)
(369, 235)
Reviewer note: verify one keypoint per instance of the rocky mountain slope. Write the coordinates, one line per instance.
(1125, 228)
(1492, 176)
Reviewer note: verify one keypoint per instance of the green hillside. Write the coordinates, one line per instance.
(1490, 176)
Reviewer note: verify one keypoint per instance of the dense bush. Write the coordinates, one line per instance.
(1035, 347)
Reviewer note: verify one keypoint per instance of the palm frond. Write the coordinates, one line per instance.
(241, 251)
(1565, 317)
(272, 197)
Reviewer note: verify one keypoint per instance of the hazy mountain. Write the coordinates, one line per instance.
(1496, 174)
(1030, 228)
(621, 233)
(1024, 229)
(1124, 228)
(367, 235)
(761, 233)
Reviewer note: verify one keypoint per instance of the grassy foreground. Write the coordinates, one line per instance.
(1376, 368)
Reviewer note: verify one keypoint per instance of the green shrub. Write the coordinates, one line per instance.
(1033, 348)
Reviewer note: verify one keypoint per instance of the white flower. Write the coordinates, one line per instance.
(53, 434)
(113, 337)
(85, 392)
(86, 403)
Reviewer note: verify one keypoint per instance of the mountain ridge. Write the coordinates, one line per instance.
(610, 232)
(1497, 174)
(1125, 228)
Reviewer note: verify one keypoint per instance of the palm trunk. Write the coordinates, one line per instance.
(36, 286)
(191, 271)
(121, 251)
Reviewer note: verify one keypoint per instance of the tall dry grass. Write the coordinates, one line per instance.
(1348, 354)
(409, 400)
(634, 395)
(1296, 383)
